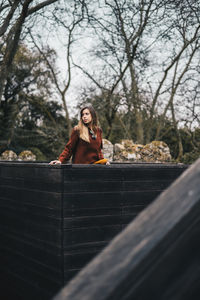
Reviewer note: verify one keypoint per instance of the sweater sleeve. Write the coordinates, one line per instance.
(70, 147)
(100, 151)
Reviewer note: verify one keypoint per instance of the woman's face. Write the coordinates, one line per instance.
(86, 116)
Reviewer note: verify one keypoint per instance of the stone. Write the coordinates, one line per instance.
(118, 148)
(26, 155)
(128, 144)
(131, 156)
(137, 147)
(8, 155)
(126, 151)
(107, 149)
(156, 151)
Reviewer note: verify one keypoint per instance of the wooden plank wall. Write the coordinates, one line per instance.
(54, 220)
(102, 200)
(31, 255)
(157, 256)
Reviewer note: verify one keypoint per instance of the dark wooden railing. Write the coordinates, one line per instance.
(54, 220)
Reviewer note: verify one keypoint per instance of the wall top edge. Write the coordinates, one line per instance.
(83, 166)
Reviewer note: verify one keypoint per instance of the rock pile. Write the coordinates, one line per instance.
(8, 155)
(127, 151)
(25, 155)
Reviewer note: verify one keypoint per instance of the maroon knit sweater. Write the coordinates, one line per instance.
(82, 152)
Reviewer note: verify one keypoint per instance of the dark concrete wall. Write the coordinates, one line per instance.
(53, 220)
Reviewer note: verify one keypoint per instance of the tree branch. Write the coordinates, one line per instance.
(6, 22)
(40, 6)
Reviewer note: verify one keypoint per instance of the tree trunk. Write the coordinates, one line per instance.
(12, 45)
(180, 145)
(135, 98)
(68, 121)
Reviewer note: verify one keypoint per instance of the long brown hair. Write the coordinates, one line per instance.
(83, 129)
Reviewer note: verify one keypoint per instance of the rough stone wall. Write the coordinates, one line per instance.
(127, 151)
(25, 155)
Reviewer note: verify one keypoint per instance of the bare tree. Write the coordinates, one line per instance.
(143, 56)
(144, 48)
(177, 66)
(15, 14)
(69, 23)
(119, 27)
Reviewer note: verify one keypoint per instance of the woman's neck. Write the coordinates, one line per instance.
(89, 126)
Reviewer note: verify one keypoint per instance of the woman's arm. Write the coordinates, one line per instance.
(68, 150)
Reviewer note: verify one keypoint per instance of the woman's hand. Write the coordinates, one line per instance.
(55, 162)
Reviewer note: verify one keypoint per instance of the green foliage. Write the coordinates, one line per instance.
(168, 136)
(39, 155)
(191, 145)
(40, 131)
(30, 119)
(190, 157)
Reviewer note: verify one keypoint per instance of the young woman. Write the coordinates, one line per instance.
(85, 143)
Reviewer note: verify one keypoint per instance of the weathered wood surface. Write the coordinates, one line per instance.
(156, 257)
(30, 231)
(54, 220)
(102, 201)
